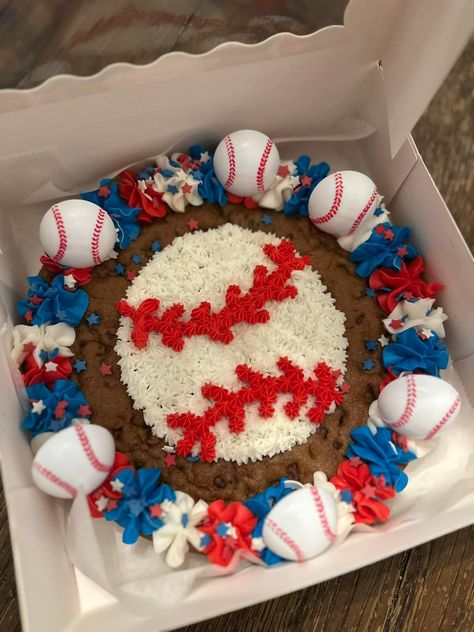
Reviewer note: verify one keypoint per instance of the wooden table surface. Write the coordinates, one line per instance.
(427, 588)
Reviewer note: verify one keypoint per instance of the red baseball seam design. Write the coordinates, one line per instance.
(339, 190)
(364, 211)
(263, 164)
(61, 234)
(96, 237)
(319, 505)
(53, 478)
(232, 165)
(89, 452)
(284, 537)
(409, 406)
(445, 419)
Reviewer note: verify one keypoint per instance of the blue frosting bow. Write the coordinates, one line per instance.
(381, 455)
(210, 188)
(140, 491)
(379, 252)
(260, 505)
(123, 216)
(298, 202)
(57, 304)
(410, 353)
(46, 420)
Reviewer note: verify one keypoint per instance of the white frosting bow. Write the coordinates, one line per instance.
(345, 519)
(45, 338)
(420, 314)
(280, 190)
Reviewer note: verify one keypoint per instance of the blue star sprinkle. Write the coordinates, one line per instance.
(136, 259)
(172, 189)
(79, 366)
(61, 314)
(119, 269)
(368, 365)
(267, 219)
(93, 319)
(155, 246)
(184, 520)
(371, 345)
(205, 541)
(192, 459)
(346, 496)
(378, 212)
(370, 292)
(222, 529)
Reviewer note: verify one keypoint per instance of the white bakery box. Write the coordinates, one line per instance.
(348, 95)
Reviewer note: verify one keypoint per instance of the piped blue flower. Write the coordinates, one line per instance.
(378, 251)
(140, 492)
(123, 216)
(210, 188)
(409, 352)
(381, 455)
(298, 202)
(57, 407)
(260, 505)
(53, 303)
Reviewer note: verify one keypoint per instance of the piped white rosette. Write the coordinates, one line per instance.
(179, 189)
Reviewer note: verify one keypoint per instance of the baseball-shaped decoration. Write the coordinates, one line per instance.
(77, 233)
(341, 202)
(302, 524)
(246, 162)
(78, 457)
(418, 406)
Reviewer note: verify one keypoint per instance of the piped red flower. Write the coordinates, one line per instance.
(104, 498)
(149, 200)
(227, 531)
(389, 377)
(82, 276)
(366, 492)
(57, 368)
(392, 284)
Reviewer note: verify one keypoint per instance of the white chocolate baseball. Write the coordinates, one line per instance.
(302, 524)
(342, 202)
(246, 162)
(78, 457)
(418, 406)
(77, 233)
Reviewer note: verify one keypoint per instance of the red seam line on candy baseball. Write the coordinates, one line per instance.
(61, 233)
(96, 237)
(284, 537)
(89, 452)
(263, 164)
(445, 419)
(232, 166)
(364, 212)
(50, 476)
(409, 406)
(328, 532)
(339, 189)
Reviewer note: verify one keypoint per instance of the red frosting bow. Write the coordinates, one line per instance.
(399, 282)
(238, 521)
(367, 491)
(105, 490)
(81, 275)
(149, 200)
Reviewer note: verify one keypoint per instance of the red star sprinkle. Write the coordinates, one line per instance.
(355, 461)
(283, 171)
(131, 275)
(36, 300)
(192, 224)
(112, 504)
(408, 295)
(337, 373)
(186, 188)
(306, 181)
(402, 251)
(170, 459)
(395, 324)
(345, 388)
(29, 347)
(369, 491)
(380, 229)
(104, 191)
(83, 411)
(105, 369)
(60, 408)
(422, 336)
(389, 234)
(156, 510)
(29, 316)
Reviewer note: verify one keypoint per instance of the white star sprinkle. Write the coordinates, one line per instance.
(168, 448)
(258, 544)
(116, 485)
(383, 340)
(205, 156)
(38, 407)
(50, 366)
(101, 503)
(294, 181)
(427, 332)
(69, 281)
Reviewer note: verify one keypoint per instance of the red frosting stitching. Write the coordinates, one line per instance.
(89, 452)
(364, 212)
(328, 532)
(230, 406)
(96, 237)
(339, 190)
(445, 419)
(232, 166)
(239, 308)
(61, 234)
(284, 537)
(54, 479)
(410, 404)
(263, 164)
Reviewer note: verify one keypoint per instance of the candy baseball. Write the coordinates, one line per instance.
(341, 202)
(78, 457)
(246, 162)
(302, 524)
(77, 233)
(418, 406)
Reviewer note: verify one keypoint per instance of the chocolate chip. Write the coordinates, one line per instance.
(219, 482)
(337, 445)
(324, 433)
(360, 319)
(293, 471)
(341, 421)
(116, 433)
